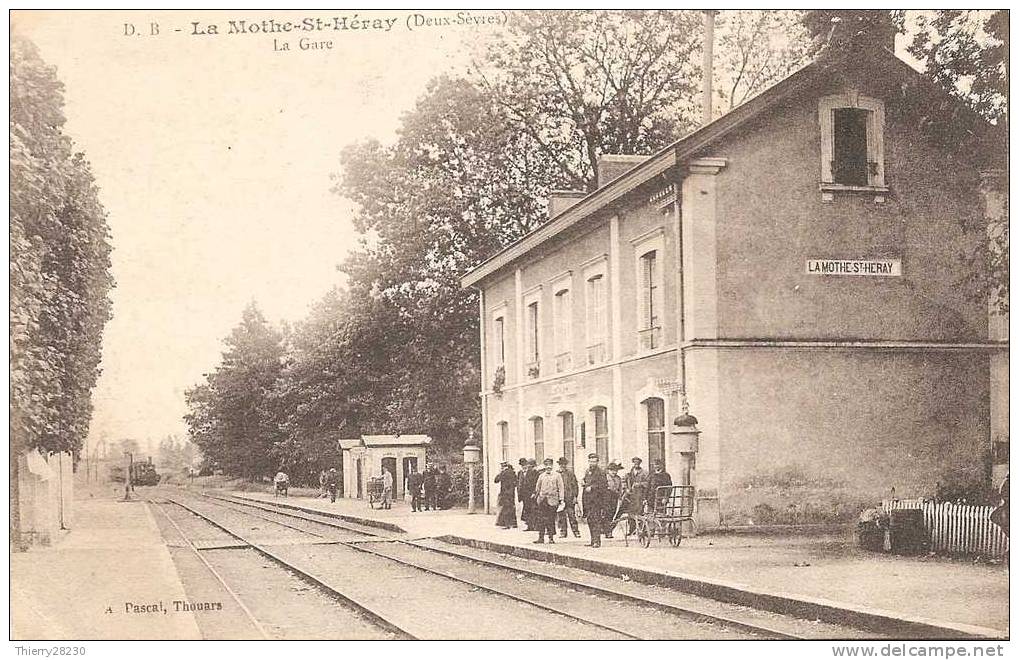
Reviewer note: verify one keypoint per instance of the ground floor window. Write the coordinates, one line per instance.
(655, 409)
(504, 440)
(601, 433)
(538, 432)
(568, 441)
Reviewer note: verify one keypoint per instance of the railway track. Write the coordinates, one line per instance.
(572, 602)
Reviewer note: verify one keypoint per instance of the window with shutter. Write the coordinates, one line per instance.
(649, 287)
(655, 409)
(504, 440)
(568, 443)
(538, 435)
(601, 433)
(499, 341)
(563, 330)
(533, 341)
(596, 319)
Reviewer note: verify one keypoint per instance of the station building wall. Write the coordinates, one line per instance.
(771, 220)
(813, 435)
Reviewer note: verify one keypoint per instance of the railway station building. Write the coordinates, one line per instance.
(791, 275)
(366, 456)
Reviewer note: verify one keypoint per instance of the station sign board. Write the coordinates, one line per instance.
(863, 267)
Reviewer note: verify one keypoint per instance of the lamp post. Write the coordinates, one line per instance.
(128, 463)
(472, 454)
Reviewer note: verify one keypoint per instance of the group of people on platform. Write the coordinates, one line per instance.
(429, 490)
(552, 495)
(329, 483)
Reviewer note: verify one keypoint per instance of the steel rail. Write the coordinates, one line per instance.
(317, 519)
(471, 583)
(369, 613)
(275, 522)
(688, 613)
(490, 589)
(222, 581)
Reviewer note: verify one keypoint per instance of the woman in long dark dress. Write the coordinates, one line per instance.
(507, 480)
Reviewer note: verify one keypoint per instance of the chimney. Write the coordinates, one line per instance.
(613, 166)
(560, 200)
(708, 64)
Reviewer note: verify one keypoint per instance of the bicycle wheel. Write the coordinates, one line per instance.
(644, 532)
(675, 534)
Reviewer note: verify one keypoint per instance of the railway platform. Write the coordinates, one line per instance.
(802, 570)
(110, 577)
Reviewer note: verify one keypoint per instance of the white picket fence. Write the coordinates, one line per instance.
(957, 528)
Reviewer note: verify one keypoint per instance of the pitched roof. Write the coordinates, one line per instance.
(681, 150)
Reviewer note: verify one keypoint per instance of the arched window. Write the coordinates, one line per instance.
(566, 419)
(601, 433)
(538, 434)
(504, 440)
(655, 409)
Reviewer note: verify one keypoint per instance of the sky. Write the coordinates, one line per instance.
(214, 156)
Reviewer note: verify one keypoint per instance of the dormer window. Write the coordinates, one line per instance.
(852, 144)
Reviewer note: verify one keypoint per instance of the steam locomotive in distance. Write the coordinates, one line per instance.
(142, 473)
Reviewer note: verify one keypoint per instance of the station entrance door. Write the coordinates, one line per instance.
(389, 464)
(408, 463)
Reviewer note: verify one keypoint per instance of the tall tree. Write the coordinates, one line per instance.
(59, 271)
(585, 83)
(966, 53)
(755, 50)
(230, 418)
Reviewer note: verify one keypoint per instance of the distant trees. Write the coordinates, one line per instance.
(175, 455)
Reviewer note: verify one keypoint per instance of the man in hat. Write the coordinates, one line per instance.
(443, 483)
(658, 478)
(507, 480)
(415, 482)
(332, 483)
(428, 485)
(595, 488)
(635, 492)
(572, 488)
(525, 492)
(548, 500)
(613, 500)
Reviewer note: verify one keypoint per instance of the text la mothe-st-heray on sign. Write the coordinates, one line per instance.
(866, 267)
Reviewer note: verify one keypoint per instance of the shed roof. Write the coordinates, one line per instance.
(395, 440)
(349, 443)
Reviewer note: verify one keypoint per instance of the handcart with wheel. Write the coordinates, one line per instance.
(670, 507)
(375, 487)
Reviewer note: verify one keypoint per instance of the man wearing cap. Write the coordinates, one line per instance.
(548, 499)
(507, 480)
(595, 488)
(613, 502)
(525, 492)
(658, 478)
(635, 492)
(572, 488)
